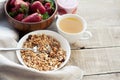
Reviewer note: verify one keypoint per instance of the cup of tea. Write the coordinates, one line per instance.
(67, 6)
(73, 27)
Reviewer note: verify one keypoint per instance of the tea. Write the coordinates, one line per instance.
(71, 25)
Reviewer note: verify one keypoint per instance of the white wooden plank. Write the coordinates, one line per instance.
(95, 61)
(103, 77)
(100, 12)
(102, 37)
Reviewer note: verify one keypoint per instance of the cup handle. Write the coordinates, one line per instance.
(86, 35)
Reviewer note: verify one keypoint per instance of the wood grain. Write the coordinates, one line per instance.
(102, 37)
(103, 77)
(96, 61)
(99, 55)
(100, 13)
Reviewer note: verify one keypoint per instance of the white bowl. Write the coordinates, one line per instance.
(64, 44)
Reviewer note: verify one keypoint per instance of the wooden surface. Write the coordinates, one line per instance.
(99, 56)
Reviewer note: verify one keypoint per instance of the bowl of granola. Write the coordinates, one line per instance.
(30, 15)
(53, 50)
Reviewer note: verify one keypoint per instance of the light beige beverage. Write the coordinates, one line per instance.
(71, 25)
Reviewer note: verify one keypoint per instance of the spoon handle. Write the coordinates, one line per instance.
(13, 49)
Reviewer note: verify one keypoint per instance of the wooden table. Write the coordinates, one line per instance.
(99, 56)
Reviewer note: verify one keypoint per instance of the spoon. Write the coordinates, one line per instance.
(34, 49)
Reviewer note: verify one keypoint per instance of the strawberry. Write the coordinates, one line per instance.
(49, 8)
(38, 6)
(19, 2)
(47, 5)
(17, 5)
(35, 17)
(19, 17)
(14, 9)
(50, 11)
(12, 2)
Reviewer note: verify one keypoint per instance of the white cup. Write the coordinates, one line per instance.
(73, 37)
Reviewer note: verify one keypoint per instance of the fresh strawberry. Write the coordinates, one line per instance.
(19, 17)
(19, 2)
(14, 9)
(50, 11)
(17, 5)
(12, 2)
(38, 6)
(49, 8)
(47, 5)
(35, 17)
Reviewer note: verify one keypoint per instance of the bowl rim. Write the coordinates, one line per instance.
(54, 35)
(56, 8)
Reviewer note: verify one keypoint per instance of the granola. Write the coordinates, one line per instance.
(50, 55)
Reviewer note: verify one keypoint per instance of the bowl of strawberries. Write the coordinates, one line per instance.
(30, 15)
